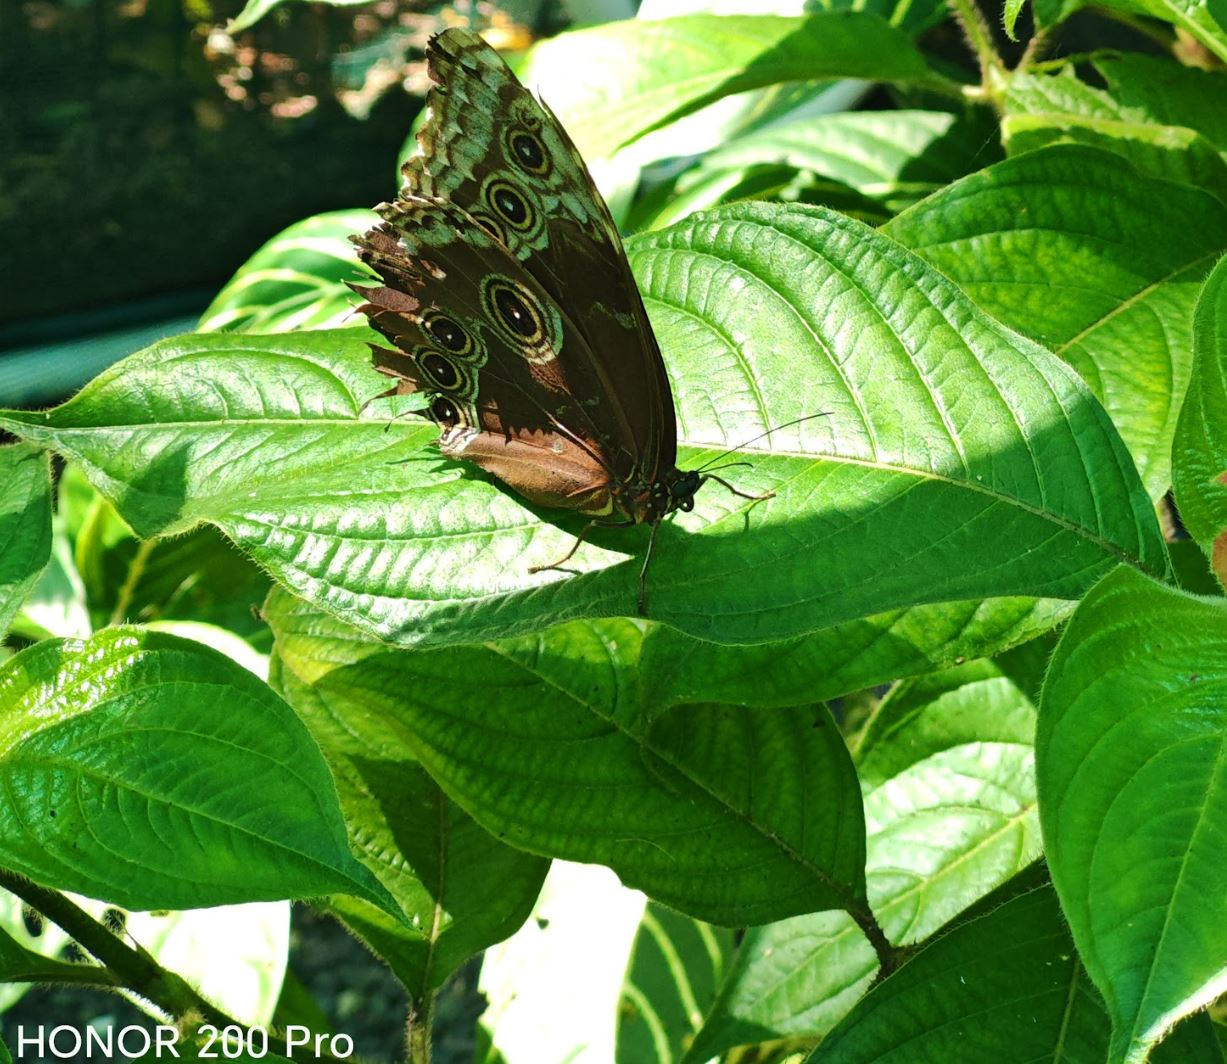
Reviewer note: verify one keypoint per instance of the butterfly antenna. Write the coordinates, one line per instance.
(762, 435)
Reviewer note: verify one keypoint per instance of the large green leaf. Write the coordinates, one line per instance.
(892, 157)
(950, 814)
(462, 888)
(1074, 247)
(296, 280)
(611, 84)
(1133, 785)
(25, 525)
(542, 741)
(1199, 454)
(1169, 92)
(845, 658)
(1007, 987)
(675, 967)
(152, 772)
(956, 461)
(1154, 114)
(196, 577)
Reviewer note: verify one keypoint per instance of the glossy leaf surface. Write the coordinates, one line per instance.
(25, 526)
(1075, 248)
(163, 750)
(542, 740)
(955, 460)
(1130, 754)
(1199, 455)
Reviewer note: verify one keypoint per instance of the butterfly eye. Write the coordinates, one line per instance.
(444, 412)
(440, 370)
(528, 151)
(510, 205)
(449, 334)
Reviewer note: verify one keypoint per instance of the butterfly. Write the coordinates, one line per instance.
(507, 300)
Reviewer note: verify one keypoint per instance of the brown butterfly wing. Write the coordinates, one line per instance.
(492, 150)
(512, 384)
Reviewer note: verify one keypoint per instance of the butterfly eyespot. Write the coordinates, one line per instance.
(509, 204)
(444, 412)
(490, 226)
(515, 309)
(528, 151)
(441, 372)
(449, 334)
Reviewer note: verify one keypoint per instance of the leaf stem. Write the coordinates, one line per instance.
(888, 956)
(133, 968)
(135, 571)
(128, 967)
(1036, 47)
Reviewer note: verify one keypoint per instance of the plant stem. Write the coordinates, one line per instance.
(134, 969)
(130, 968)
(980, 40)
(135, 571)
(421, 1018)
(1036, 47)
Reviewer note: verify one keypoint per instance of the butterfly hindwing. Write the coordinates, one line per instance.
(491, 149)
(507, 375)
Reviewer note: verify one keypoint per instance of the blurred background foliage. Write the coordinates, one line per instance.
(146, 151)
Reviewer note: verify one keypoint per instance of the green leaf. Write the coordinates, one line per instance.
(796, 977)
(1009, 17)
(523, 733)
(21, 965)
(1042, 109)
(1199, 451)
(969, 704)
(950, 817)
(839, 660)
(957, 461)
(56, 606)
(1168, 92)
(152, 772)
(461, 888)
(296, 280)
(1133, 725)
(675, 967)
(25, 525)
(1001, 987)
(196, 577)
(891, 157)
(611, 84)
(1204, 20)
(1073, 247)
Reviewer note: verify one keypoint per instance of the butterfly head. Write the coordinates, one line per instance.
(673, 491)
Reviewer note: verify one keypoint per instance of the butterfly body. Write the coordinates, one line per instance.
(507, 300)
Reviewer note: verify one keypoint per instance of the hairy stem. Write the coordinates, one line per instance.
(980, 40)
(421, 1018)
(132, 967)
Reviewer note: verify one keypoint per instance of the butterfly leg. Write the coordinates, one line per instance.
(576, 545)
(741, 494)
(643, 571)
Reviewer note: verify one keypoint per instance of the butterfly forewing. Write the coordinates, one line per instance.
(490, 149)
